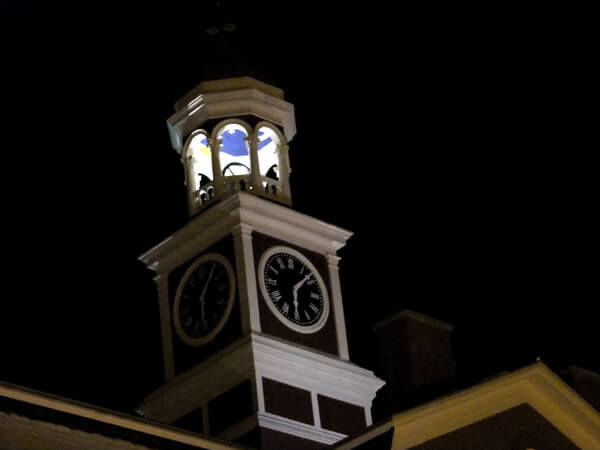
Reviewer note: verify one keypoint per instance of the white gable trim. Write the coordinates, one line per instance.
(535, 385)
(99, 415)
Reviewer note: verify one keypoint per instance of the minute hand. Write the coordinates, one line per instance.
(300, 283)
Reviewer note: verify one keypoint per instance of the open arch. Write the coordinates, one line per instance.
(234, 148)
(198, 160)
(269, 150)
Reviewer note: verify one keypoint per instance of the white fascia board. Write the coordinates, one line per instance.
(261, 215)
(314, 371)
(228, 104)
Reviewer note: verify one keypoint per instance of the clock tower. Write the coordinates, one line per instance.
(252, 320)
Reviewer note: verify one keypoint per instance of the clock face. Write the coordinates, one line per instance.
(204, 299)
(293, 289)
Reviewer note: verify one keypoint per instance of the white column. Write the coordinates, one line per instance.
(246, 275)
(260, 394)
(336, 303)
(315, 407)
(284, 172)
(215, 149)
(190, 182)
(254, 166)
(166, 329)
(368, 418)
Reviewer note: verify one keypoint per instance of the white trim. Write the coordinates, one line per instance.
(244, 263)
(535, 385)
(261, 215)
(237, 102)
(166, 331)
(110, 417)
(260, 394)
(314, 371)
(368, 418)
(338, 306)
(261, 356)
(215, 257)
(299, 429)
(267, 298)
(314, 401)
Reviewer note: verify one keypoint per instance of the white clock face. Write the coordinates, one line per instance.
(204, 299)
(293, 289)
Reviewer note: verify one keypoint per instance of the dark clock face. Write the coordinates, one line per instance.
(203, 300)
(294, 288)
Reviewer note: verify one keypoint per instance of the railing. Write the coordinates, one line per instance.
(268, 188)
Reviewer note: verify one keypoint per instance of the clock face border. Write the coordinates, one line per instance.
(197, 342)
(305, 329)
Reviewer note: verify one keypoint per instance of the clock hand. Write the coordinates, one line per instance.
(300, 283)
(203, 294)
(295, 293)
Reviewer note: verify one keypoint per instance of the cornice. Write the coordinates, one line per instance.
(252, 212)
(265, 356)
(232, 103)
(314, 371)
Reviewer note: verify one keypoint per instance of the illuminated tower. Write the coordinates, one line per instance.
(252, 320)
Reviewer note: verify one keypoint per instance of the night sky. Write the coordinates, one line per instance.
(448, 141)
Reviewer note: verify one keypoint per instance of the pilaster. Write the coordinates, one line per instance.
(246, 277)
(337, 306)
(162, 286)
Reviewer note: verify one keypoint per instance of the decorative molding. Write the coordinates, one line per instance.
(314, 371)
(162, 286)
(299, 429)
(259, 355)
(244, 262)
(242, 100)
(242, 208)
(535, 385)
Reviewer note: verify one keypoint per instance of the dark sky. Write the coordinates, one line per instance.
(447, 140)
